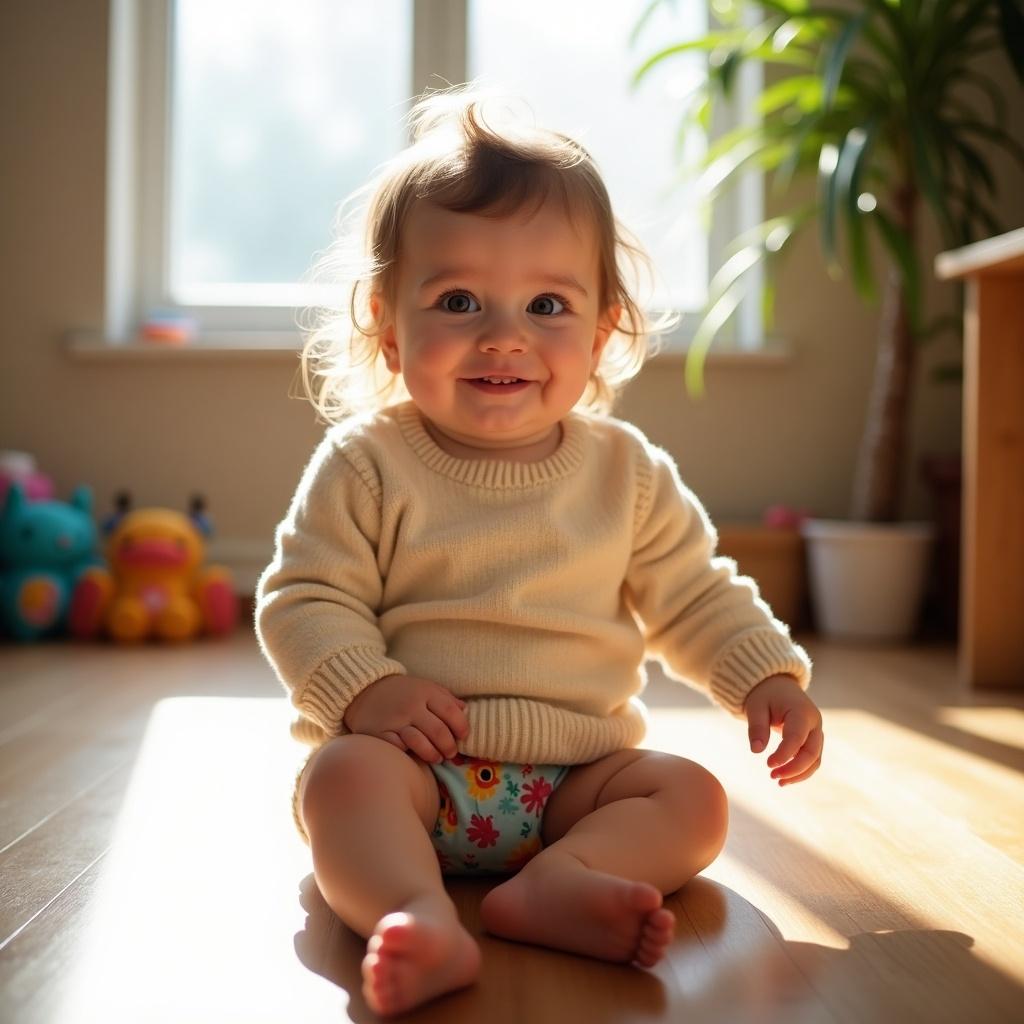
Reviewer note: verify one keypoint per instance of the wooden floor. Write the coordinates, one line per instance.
(150, 871)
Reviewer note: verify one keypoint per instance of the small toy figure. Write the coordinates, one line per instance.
(156, 585)
(20, 468)
(45, 547)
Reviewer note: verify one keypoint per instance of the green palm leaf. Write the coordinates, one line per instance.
(837, 57)
(856, 147)
(874, 99)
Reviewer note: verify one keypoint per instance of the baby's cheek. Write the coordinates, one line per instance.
(440, 349)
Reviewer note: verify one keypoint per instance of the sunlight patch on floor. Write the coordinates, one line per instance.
(792, 916)
(916, 844)
(197, 906)
(1000, 725)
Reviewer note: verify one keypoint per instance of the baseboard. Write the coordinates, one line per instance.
(246, 560)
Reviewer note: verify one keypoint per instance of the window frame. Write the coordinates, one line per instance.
(138, 203)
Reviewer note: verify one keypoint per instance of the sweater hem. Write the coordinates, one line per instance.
(531, 732)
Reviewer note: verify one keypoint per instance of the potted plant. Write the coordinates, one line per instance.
(880, 102)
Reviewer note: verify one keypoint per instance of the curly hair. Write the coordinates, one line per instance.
(467, 155)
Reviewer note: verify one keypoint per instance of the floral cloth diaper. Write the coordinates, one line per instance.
(491, 812)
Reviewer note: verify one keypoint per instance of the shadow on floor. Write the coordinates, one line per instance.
(728, 962)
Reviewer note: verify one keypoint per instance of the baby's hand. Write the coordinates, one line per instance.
(412, 713)
(778, 703)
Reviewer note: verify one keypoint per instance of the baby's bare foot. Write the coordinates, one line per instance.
(412, 958)
(557, 901)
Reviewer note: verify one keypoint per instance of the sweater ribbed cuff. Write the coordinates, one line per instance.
(752, 660)
(338, 680)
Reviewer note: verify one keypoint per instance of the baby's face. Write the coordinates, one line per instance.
(479, 297)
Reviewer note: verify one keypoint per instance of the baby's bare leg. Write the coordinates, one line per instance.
(367, 808)
(622, 832)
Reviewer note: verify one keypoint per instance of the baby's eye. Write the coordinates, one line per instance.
(458, 302)
(547, 305)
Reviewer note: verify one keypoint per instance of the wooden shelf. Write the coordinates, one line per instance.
(999, 256)
(992, 584)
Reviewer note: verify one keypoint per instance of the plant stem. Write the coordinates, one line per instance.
(883, 451)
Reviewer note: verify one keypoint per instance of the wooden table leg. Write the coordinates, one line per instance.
(992, 585)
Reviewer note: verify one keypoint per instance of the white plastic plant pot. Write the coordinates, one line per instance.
(867, 580)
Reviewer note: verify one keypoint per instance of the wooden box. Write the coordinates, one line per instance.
(774, 558)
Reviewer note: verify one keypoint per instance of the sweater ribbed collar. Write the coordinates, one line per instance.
(494, 473)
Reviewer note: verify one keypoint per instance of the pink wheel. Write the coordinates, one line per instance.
(220, 607)
(85, 614)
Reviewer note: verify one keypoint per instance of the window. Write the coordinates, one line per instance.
(238, 127)
(271, 114)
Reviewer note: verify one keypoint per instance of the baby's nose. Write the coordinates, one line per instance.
(501, 333)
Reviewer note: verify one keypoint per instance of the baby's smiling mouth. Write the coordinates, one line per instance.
(495, 383)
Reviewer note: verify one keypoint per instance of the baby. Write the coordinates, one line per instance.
(476, 563)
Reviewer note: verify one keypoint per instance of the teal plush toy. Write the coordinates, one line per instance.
(45, 546)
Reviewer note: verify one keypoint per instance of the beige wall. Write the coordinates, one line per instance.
(226, 427)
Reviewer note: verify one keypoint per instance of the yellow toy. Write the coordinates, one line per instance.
(156, 585)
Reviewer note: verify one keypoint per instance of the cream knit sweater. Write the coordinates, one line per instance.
(533, 591)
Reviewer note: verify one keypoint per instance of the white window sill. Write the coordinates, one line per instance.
(89, 346)
(93, 346)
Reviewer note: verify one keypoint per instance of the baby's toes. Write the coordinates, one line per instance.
(394, 935)
(656, 935)
(662, 920)
(378, 986)
(384, 968)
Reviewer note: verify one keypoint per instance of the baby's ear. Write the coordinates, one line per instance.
(386, 339)
(380, 311)
(611, 317)
(606, 323)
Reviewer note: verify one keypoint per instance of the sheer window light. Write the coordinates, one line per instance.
(239, 126)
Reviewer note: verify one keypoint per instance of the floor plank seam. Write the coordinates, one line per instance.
(13, 732)
(42, 910)
(67, 803)
(693, 927)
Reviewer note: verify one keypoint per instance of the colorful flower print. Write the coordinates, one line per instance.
(490, 817)
(535, 795)
(481, 831)
(482, 779)
(39, 601)
(524, 852)
(447, 817)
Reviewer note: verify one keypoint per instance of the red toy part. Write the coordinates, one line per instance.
(91, 596)
(218, 602)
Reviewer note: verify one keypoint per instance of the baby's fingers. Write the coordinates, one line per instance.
(795, 734)
(759, 727)
(421, 744)
(803, 775)
(452, 712)
(437, 731)
(394, 739)
(809, 754)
